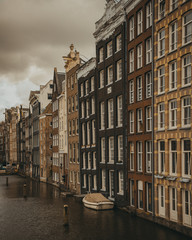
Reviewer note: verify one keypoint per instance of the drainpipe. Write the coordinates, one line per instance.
(152, 76)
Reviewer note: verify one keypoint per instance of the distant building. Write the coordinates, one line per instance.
(2, 143)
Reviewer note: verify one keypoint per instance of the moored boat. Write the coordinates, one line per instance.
(97, 201)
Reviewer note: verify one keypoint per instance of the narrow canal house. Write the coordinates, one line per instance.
(72, 63)
(87, 126)
(172, 112)
(58, 78)
(111, 119)
(139, 106)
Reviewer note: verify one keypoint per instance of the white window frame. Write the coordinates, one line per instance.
(148, 15)
(82, 109)
(120, 149)
(82, 90)
(186, 70)
(173, 75)
(131, 60)
(83, 134)
(102, 115)
(92, 84)
(131, 155)
(131, 28)
(186, 206)
(173, 5)
(186, 112)
(161, 156)
(109, 49)
(161, 43)
(131, 91)
(139, 56)
(131, 122)
(173, 36)
(161, 80)
(148, 119)
(139, 88)
(102, 144)
(101, 55)
(120, 111)
(93, 105)
(111, 149)
(132, 192)
(186, 159)
(148, 80)
(139, 156)
(119, 70)
(161, 9)
(101, 79)
(187, 38)
(148, 50)
(110, 113)
(103, 180)
(121, 182)
(94, 161)
(93, 132)
(161, 198)
(173, 157)
(149, 156)
(86, 87)
(173, 114)
(161, 116)
(88, 133)
(109, 75)
(173, 203)
(140, 195)
(118, 41)
(139, 22)
(139, 120)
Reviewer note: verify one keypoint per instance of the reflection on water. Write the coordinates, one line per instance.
(39, 216)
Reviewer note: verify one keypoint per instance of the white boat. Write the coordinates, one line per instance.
(97, 201)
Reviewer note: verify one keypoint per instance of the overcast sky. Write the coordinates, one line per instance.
(34, 35)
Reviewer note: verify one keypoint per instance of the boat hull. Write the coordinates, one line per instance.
(98, 206)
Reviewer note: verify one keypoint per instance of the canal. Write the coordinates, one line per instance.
(39, 216)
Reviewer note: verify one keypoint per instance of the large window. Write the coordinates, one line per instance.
(186, 206)
(92, 105)
(149, 15)
(103, 150)
(173, 114)
(86, 87)
(118, 70)
(139, 22)
(148, 156)
(173, 157)
(100, 55)
(120, 148)
(148, 83)
(131, 121)
(148, 50)
(148, 119)
(161, 80)
(139, 88)
(121, 183)
(173, 36)
(161, 116)
(103, 172)
(119, 111)
(161, 198)
(161, 9)
(83, 134)
(131, 91)
(87, 108)
(187, 28)
(92, 84)
(131, 155)
(161, 43)
(132, 193)
(161, 156)
(173, 75)
(139, 156)
(173, 203)
(82, 109)
(118, 43)
(139, 56)
(140, 194)
(139, 120)
(109, 49)
(110, 114)
(101, 79)
(102, 115)
(88, 133)
(186, 70)
(131, 28)
(109, 75)
(186, 158)
(111, 149)
(149, 197)
(93, 131)
(82, 90)
(131, 60)
(186, 111)
(173, 4)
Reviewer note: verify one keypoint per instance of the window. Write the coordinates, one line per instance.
(102, 115)
(86, 87)
(121, 183)
(73, 125)
(69, 105)
(173, 75)
(120, 148)
(49, 96)
(131, 60)
(110, 114)
(88, 133)
(77, 126)
(148, 50)
(139, 156)
(109, 49)
(161, 43)
(94, 182)
(186, 206)
(72, 82)
(92, 105)
(118, 70)
(186, 70)
(148, 15)
(173, 4)
(82, 90)
(103, 172)
(161, 198)
(89, 160)
(109, 75)
(83, 134)
(70, 153)
(119, 111)
(118, 43)
(139, 56)
(161, 80)
(186, 112)
(131, 122)
(173, 36)
(131, 28)
(70, 130)
(139, 120)
(173, 203)
(76, 102)
(139, 22)
(92, 84)
(74, 150)
(84, 161)
(139, 88)
(94, 160)
(173, 157)
(148, 156)
(149, 197)
(101, 79)
(187, 28)
(93, 131)
(100, 55)
(161, 156)
(131, 155)
(103, 150)
(140, 194)
(72, 104)
(161, 116)
(111, 149)
(132, 192)
(82, 110)
(161, 9)
(173, 114)
(84, 181)
(148, 119)
(87, 108)
(148, 79)
(131, 91)
(186, 158)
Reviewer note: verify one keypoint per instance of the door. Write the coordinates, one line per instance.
(111, 184)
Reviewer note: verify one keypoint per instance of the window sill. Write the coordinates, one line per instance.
(186, 86)
(185, 45)
(172, 51)
(185, 128)
(120, 193)
(160, 57)
(109, 84)
(120, 163)
(160, 19)
(172, 11)
(160, 130)
(117, 80)
(172, 90)
(109, 163)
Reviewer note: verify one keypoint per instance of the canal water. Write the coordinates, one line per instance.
(39, 216)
